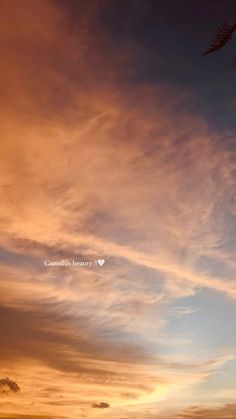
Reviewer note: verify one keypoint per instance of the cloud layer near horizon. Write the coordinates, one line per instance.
(93, 165)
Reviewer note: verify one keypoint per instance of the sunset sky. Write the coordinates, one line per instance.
(118, 145)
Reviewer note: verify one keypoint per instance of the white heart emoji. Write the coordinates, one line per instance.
(101, 262)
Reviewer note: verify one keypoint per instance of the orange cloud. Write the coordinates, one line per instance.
(92, 165)
(222, 412)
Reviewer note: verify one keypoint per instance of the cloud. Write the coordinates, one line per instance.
(8, 386)
(101, 405)
(202, 412)
(92, 164)
(66, 358)
(15, 416)
(48, 329)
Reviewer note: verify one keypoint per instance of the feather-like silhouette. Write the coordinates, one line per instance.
(223, 35)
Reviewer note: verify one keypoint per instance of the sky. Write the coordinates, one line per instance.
(118, 210)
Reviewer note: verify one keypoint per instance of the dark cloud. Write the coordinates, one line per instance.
(101, 405)
(8, 386)
(42, 334)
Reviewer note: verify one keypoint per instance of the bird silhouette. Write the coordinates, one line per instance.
(223, 34)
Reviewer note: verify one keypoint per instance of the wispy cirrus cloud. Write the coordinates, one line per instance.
(202, 412)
